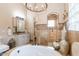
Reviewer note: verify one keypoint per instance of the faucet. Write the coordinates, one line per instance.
(18, 51)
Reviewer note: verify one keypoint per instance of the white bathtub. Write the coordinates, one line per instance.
(29, 50)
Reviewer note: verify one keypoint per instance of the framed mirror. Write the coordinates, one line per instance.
(18, 25)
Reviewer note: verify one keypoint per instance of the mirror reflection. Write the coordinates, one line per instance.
(18, 25)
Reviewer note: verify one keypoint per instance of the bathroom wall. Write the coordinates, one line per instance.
(7, 11)
(73, 23)
(41, 17)
(52, 8)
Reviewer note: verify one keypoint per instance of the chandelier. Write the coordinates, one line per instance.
(36, 7)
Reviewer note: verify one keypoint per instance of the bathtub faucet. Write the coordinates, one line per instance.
(18, 51)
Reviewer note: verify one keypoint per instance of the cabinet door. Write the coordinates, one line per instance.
(21, 40)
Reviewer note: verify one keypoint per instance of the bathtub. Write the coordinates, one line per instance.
(32, 50)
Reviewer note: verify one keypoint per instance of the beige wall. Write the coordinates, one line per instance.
(41, 18)
(52, 7)
(7, 11)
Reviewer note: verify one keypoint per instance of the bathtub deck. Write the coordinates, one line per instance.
(8, 52)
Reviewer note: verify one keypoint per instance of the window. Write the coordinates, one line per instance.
(51, 23)
(73, 23)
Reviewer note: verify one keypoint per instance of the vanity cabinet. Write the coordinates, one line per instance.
(21, 39)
